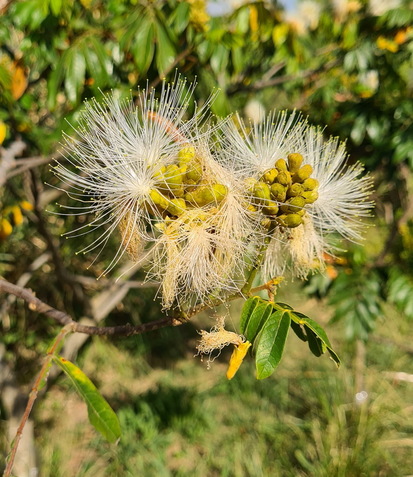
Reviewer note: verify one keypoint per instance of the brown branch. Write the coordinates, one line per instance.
(23, 165)
(7, 157)
(35, 304)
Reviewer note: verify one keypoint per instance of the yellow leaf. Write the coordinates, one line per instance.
(254, 24)
(18, 82)
(25, 205)
(3, 131)
(280, 33)
(385, 44)
(5, 228)
(237, 358)
(86, 3)
(17, 215)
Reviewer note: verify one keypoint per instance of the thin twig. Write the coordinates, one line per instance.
(267, 80)
(41, 377)
(35, 304)
(22, 165)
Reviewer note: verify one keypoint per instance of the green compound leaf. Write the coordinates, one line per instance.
(255, 313)
(299, 330)
(101, 415)
(271, 343)
(247, 310)
(259, 317)
(318, 341)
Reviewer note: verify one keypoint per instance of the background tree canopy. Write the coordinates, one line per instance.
(346, 64)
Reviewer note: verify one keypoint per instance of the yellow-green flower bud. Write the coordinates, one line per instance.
(294, 161)
(174, 176)
(186, 157)
(207, 195)
(262, 192)
(266, 222)
(310, 196)
(270, 176)
(278, 192)
(284, 178)
(176, 207)
(194, 171)
(220, 192)
(159, 199)
(303, 173)
(293, 205)
(310, 184)
(292, 220)
(171, 179)
(295, 190)
(270, 208)
(250, 183)
(178, 192)
(281, 165)
(161, 226)
(186, 154)
(159, 174)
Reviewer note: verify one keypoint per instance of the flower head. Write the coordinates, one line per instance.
(151, 176)
(301, 185)
(202, 253)
(119, 150)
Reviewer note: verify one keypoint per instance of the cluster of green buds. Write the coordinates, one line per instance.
(181, 186)
(284, 191)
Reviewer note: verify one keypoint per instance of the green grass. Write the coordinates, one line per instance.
(180, 419)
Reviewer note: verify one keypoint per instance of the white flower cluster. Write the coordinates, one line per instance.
(202, 201)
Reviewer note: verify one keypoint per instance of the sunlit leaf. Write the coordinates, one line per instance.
(180, 17)
(271, 343)
(247, 311)
(101, 415)
(3, 132)
(165, 51)
(18, 81)
(237, 358)
(75, 73)
(257, 320)
(56, 6)
(144, 45)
